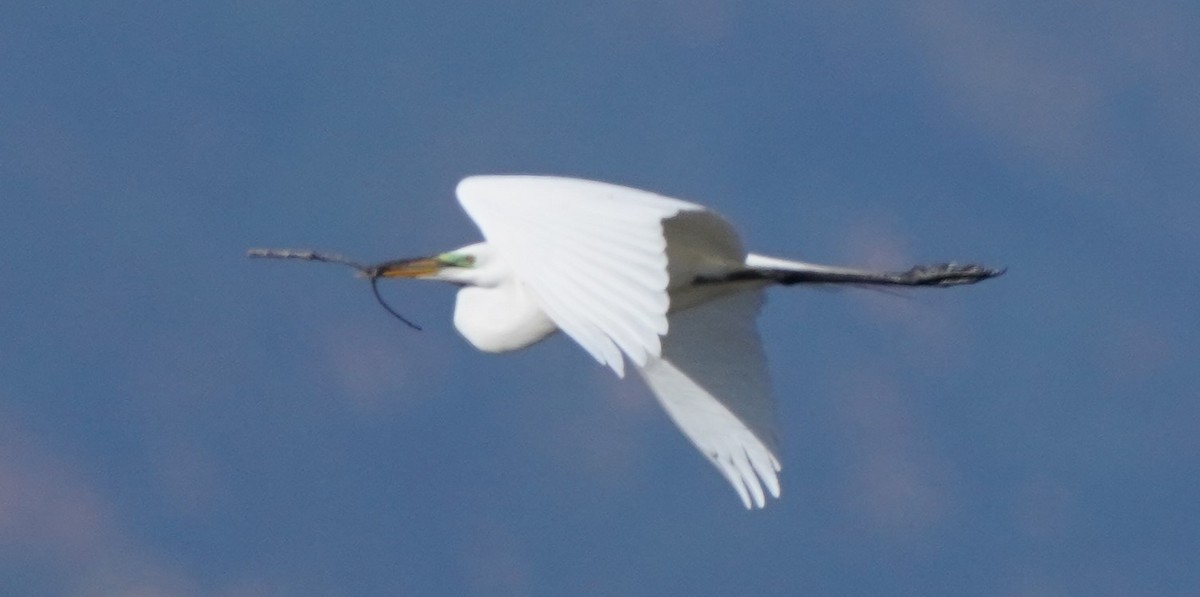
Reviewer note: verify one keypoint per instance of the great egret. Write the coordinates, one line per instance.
(630, 274)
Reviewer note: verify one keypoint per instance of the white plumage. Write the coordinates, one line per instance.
(629, 274)
(592, 255)
(600, 263)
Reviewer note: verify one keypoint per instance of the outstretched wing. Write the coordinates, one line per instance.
(712, 380)
(595, 257)
(592, 254)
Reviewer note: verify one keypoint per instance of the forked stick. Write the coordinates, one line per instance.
(371, 273)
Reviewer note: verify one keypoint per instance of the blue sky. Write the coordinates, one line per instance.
(178, 420)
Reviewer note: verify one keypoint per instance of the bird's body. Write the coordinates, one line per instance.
(498, 314)
(633, 276)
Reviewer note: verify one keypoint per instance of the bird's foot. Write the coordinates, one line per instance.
(948, 274)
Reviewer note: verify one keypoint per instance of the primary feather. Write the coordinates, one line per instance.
(712, 380)
(615, 269)
(592, 254)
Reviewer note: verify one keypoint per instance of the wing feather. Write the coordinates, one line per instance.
(596, 258)
(592, 254)
(618, 322)
(712, 380)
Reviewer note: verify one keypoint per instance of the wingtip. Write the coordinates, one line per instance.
(618, 367)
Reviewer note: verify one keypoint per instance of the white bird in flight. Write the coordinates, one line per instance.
(634, 276)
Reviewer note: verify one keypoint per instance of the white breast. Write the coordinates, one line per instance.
(500, 318)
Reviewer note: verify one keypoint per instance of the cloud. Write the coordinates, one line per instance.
(53, 518)
(896, 477)
(57, 526)
(1099, 97)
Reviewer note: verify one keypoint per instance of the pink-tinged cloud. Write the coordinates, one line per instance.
(1132, 349)
(493, 560)
(379, 368)
(51, 514)
(933, 333)
(1021, 82)
(896, 477)
(1054, 94)
(53, 517)
(1041, 506)
(597, 440)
